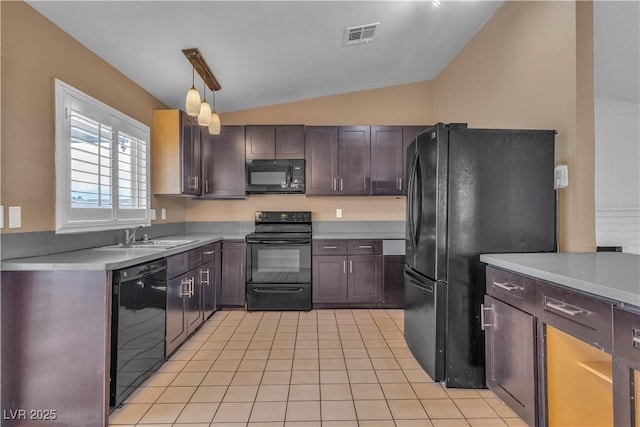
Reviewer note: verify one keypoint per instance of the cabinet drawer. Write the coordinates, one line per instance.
(195, 258)
(177, 265)
(584, 316)
(364, 247)
(209, 252)
(626, 335)
(329, 247)
(512, 288)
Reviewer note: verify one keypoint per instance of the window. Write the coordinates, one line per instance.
(102, 165)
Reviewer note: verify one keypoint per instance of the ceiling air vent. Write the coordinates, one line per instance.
(360, 34)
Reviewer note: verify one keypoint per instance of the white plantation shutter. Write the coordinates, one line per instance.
(102, 165)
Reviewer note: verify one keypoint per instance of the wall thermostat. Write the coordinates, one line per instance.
(561, 176)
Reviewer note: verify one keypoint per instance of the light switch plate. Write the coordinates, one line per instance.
(15, 217)
(152, 214)
(338, 213)
(164, 213)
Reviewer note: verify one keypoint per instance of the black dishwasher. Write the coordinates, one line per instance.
(137, 326)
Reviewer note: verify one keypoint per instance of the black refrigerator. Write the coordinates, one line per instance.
(470, 191)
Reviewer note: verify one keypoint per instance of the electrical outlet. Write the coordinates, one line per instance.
(163, 215)
(338, 213)
(15, 217)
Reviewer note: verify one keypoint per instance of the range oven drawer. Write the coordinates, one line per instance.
(270, 296)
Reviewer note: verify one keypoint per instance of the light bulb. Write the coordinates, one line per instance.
(214, 125)
(204, 118)
(192, 103)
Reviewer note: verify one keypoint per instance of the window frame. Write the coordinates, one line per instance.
(73, 219)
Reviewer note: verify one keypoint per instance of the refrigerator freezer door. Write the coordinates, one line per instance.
(426, 203)
(424, 328)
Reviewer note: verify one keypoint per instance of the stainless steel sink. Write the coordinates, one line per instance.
(149, 244)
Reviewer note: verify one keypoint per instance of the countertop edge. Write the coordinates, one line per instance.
(114, 261)
(591, 287)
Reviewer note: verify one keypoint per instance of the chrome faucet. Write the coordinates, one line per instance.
(130, 235)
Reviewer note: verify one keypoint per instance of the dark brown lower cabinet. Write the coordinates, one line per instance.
(393, 292)
(233, 288)
(510, 351)
(558, 356)
(329, 279)
(184, 313)
(365, 278)
(347, 279)
(210, 280)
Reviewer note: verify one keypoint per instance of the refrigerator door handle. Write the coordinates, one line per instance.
(414, 280)
(411, 187)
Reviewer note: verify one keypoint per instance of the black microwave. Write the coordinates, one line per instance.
(274, 176)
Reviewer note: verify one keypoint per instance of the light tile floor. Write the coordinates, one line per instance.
(323, 368)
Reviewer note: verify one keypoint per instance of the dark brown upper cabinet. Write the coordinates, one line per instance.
(224, 164)
(176, 145)
(387, 153)
(274, 142)
(338, 160)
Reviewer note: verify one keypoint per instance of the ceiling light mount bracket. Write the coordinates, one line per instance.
(200, 65)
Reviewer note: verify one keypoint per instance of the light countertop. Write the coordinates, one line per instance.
(608, 274)
(110, 258)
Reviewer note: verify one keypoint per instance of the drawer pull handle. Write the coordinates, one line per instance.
(562, 308)
(508, 286)
(365, 247)
(329, 247)
(208, 252)
(483, 309)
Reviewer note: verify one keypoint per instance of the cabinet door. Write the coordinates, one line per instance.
(208, 284)
(207, 155)
(290, 142)
(509, 351)
(321, 160)
(393, 287)
(329, 283)
(228, 163)
(176, 327)
(365, 278)
(354, 160)
(260, 142)
(190, 155)
(233, 274)
(217, 279)
(193, 301)
(387, 158)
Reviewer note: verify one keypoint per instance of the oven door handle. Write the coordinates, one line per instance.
(279, 290)
(281, 242)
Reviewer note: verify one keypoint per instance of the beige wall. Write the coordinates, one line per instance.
(34, 52)
(410, 104)
(530, 67)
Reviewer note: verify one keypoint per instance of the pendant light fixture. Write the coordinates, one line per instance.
(214, 124)
(192, 103)
(204, 118)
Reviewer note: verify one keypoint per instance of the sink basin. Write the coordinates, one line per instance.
(149, 244)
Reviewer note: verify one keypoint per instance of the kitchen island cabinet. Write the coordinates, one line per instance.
(558, 326)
